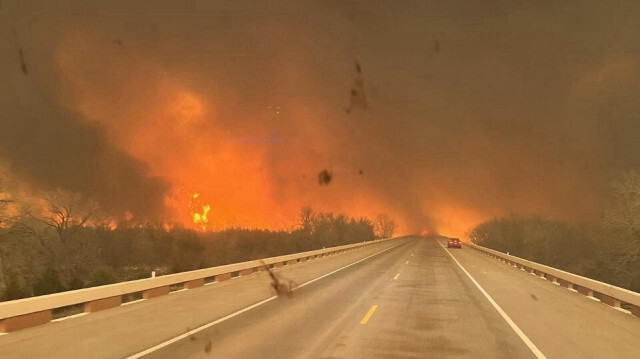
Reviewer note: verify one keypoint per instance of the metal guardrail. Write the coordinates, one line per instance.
(28, 312)
(616, 297)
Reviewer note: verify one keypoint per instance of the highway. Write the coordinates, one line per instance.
(407, 298)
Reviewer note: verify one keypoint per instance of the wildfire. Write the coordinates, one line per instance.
(199, 212)
(455, 220)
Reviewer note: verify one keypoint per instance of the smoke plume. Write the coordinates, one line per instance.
(440, 114)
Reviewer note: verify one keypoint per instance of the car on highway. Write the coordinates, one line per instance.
(454, 243)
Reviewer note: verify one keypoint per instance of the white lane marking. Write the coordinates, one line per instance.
(246, 309)
(69, 317)
(347, 266)
(133, 301)
(189, 333)
(534, 349)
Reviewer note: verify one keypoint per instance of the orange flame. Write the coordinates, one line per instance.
(199, 212)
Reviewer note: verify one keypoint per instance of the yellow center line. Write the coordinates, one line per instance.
(369, 314)
(407, 262)
(396, 277)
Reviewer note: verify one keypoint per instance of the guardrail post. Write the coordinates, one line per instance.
(586, 291)
(194, 283)
(245, 272)
(611, 301)
(539, 274)
(155, 292)
(223, 277)
(8, 325)
(569, 286)
(102, 304)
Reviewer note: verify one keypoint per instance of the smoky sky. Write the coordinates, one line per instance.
(472, 109)
(51, 148)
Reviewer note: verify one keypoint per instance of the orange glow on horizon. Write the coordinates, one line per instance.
(456, 221)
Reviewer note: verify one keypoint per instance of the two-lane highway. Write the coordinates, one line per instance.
(406, 298)
(409, 302)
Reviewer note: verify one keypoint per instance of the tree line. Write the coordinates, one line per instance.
(68, 248)
(608, 250)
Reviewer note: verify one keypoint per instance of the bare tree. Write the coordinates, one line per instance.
(306, 219)
(384, 226)
(65, 211)
(70, 249)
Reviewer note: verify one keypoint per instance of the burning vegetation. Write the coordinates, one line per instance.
(437, 146)
(199, 211)
(69, 247)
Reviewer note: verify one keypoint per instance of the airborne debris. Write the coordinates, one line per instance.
(324, 177)
(119, 42)
(207, 348)
(281, 288)
(360, 172)
(358, 97)
(23, 64)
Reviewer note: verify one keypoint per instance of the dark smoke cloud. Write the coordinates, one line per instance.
(52, 148)
(55, 150)
(492, 107)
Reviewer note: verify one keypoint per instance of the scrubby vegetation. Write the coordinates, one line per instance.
(608, 251)
(66, 251)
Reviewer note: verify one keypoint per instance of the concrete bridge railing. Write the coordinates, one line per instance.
(616, 297)
(28, 312)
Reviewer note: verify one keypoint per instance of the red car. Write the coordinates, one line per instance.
(454, 243)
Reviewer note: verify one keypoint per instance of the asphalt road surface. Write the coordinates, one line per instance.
(408, 298)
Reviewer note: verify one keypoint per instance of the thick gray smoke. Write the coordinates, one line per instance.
(432, 110)
(52, 148)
